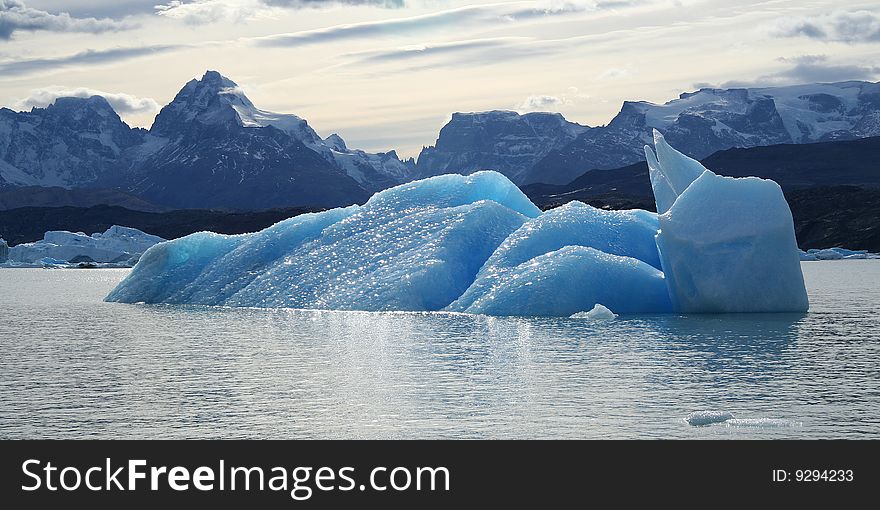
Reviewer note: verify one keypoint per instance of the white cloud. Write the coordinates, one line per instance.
(839, 26)
(810, 69)
(85, 58)
(542, 102)
(122, 103)
(480, 16)
(803, 59)
(299, 4)
(616, 73)
(200, 12)
(15, 16)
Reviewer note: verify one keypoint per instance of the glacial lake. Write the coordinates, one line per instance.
(76, 367)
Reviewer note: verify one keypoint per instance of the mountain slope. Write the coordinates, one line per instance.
(217, 102)
(212, 147)
(210, 152)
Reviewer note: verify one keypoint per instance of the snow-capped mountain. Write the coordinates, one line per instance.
(216, 101)
(73, 142)
(698, 123)
(504, 141)
(708, 120)
(209, 148)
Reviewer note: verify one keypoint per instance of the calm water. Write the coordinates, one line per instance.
(75, 367)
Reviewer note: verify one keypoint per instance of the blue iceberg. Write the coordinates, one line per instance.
(476, 244)
(726, 244)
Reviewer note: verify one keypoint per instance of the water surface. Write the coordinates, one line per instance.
(76, 367)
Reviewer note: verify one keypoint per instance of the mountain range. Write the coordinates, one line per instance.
(545, 148)
(211, 147)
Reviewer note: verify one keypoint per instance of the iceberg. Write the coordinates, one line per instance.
(476, 244)
(726, 244)
(414, 247)
(598, 312)
(804, 256)
(4, 250)
(120, 245)
(836, 253)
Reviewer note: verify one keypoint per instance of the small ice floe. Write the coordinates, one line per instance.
(598, 312)
(836, 253)
(703, 418)
(762, 423)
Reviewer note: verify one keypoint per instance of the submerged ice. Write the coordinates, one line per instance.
(476, 244)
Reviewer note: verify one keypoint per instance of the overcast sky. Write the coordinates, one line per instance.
(388, 73)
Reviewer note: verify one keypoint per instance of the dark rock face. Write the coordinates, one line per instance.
(242, 168)
(503, 141)
(75, 141)
(829, 216)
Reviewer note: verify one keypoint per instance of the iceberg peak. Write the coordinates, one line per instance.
(726, 244)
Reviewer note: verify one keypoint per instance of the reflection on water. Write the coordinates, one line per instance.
(75, 367)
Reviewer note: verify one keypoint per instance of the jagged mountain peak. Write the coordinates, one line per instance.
(97, 103)
(502, 140)
(336, 143)
(211, 76)
(211, 83)
(216, 101)
(508, 115)
(95, 109)
(206, 101)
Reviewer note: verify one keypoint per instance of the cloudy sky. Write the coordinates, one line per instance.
(388, 73)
